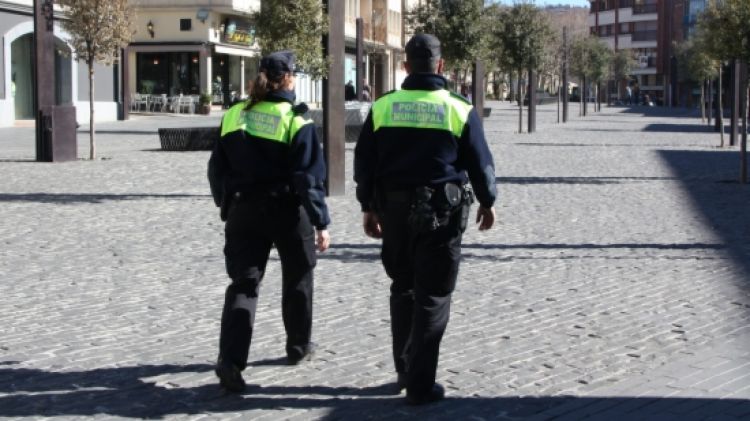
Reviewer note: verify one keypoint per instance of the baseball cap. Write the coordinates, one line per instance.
(278, 63)
(422, 47)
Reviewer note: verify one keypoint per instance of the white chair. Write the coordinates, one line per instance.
(186, 103)
(159, 101)
(173, 103)
(137, 100)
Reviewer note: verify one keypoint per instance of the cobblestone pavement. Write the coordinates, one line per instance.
(615, 285)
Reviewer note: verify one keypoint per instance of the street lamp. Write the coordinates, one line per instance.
(150, 28)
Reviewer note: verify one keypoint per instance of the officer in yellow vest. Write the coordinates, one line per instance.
(417, 151)
(267, 174)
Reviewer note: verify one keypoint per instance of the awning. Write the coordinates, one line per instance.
(235, 51)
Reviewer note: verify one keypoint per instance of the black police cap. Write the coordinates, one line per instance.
(278, 64)
(422, 47)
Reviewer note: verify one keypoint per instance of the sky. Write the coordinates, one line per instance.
(583, 3)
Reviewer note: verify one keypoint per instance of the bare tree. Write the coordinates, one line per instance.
(724, 29)
(296, 25)
(457, 24)
(575, 19)
(98, 30)
(521, 32)
(695, 64)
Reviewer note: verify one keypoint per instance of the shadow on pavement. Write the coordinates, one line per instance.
(576, 180)
(71, 198)
(348, 252)
(662, 112)
(723, 204)
(127, 392)
(136, 132)
(678, 128)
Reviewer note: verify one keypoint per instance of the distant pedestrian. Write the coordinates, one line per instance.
(366, 95)
(629, 95)
(350, 93)
(266, 173)
(417, 150)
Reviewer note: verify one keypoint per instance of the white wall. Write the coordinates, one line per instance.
(626, 15)
(167, 26)
(106, 110)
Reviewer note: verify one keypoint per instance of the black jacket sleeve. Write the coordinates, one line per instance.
(477, 159)
(309, 174)
(365, 161)
(217, 171)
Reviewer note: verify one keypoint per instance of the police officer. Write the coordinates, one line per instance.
(267, 174)
(417, 151)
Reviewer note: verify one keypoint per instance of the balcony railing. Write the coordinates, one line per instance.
(640, 9)
(644, 36)
(604, 7)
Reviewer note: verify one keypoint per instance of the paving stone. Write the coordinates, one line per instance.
(614, 285)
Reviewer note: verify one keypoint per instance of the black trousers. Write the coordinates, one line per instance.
(423, 268)
(252, 227)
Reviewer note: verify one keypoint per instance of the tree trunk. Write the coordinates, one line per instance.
(720, 117)
(520, 104)
(585, 97)
(743, 142)
(92, 144)
(598, 98)
(703, 102)
(710, 95)
(581, 96)
(619, 94)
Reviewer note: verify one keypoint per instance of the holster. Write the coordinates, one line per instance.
(432, 208)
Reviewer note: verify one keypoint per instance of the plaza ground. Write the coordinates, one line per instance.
(614, 285)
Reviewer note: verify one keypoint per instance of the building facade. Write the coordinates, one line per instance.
(192, 48)
(693, 9)
(650, 29)
(383, 39)
(634, 25)
(16, 70)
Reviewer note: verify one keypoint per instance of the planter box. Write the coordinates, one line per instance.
(204, 109)
(189, 138)
(354, 119)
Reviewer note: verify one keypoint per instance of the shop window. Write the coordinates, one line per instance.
(186, 24)
(168, 73)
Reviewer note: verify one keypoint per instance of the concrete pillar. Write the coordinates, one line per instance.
(477, 87)
(56, 138)
(127, 88)
(204, 58)
(333, 99)
(242, 77)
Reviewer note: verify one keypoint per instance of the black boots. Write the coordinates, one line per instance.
(433, 395)
(230, 377)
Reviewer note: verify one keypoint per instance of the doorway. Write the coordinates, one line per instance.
(22, 75)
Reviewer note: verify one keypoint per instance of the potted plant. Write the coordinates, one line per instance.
(204, 103)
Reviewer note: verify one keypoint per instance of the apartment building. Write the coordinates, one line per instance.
(383, 39)
(647, 28)
(693, 8)
(17, 70)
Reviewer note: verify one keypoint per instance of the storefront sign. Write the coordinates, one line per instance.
(239, 32)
